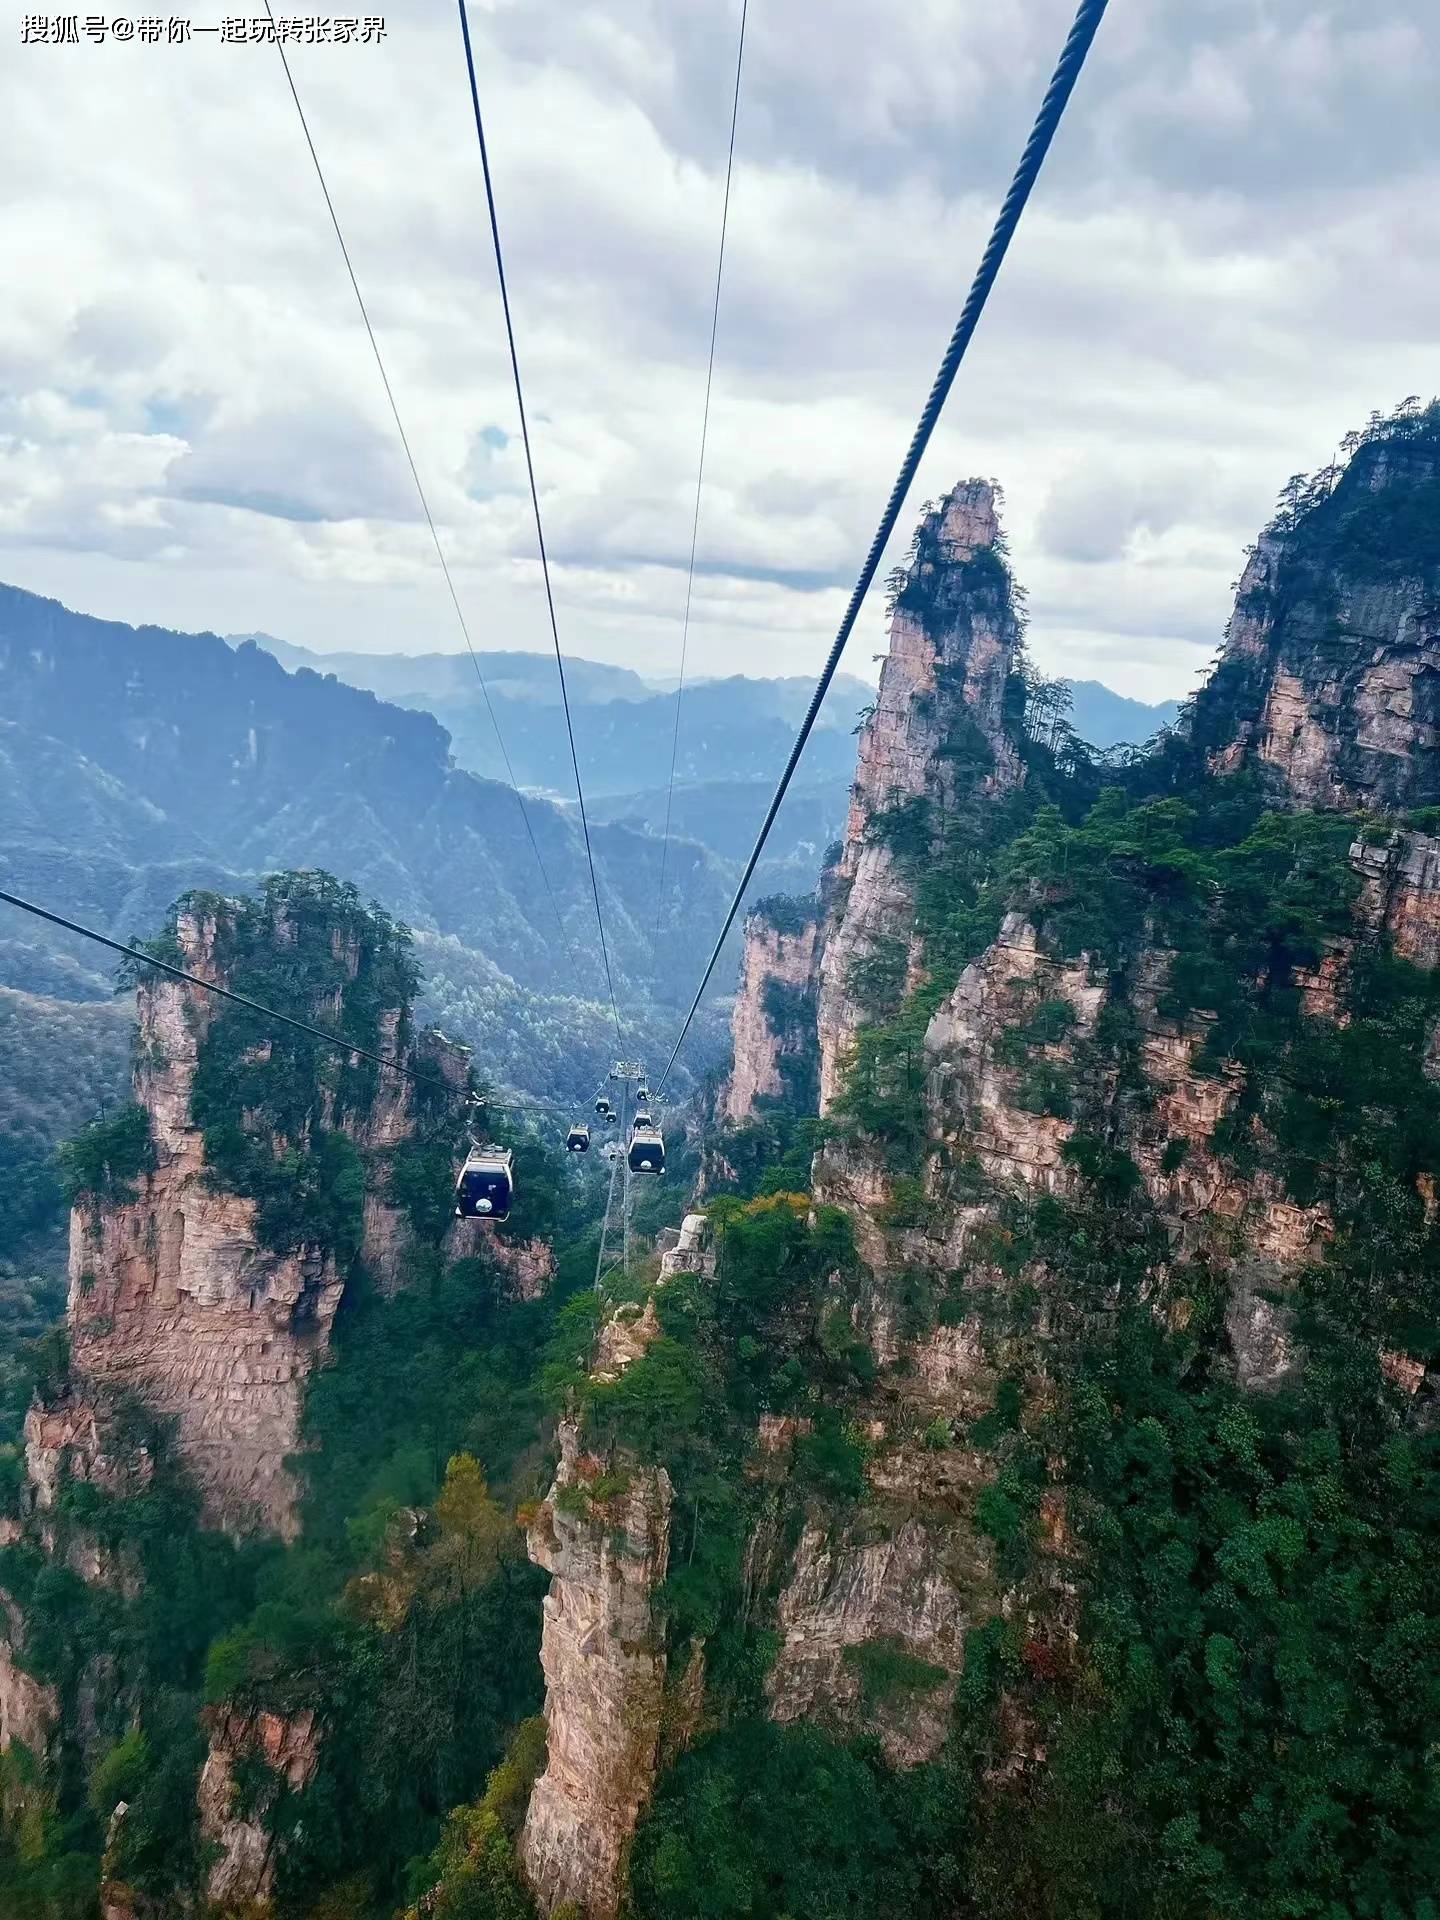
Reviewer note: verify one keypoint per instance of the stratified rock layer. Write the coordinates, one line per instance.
(603, 1653)
(1330, 681)
(954, 643)
(174, 1299)
(775, 958)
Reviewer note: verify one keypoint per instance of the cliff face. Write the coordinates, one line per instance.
(1097, 1056)
(937, 734)
(1330, 680)
(603, 1534)
(772, 1025)
(234, 1825)
(217, 1223)
(175, 1298)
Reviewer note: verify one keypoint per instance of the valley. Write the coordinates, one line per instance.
(1016, 1494)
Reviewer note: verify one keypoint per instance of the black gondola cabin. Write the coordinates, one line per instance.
(647, 1150)
(486, 1186)
(577, 1140)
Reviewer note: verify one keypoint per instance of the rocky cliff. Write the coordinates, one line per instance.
(1113, 1057)
(218, 1220)
(1329, 683)
(603, 1535)
(772, 1025)
(937, 737)
(176, 1298)
(285, 1750)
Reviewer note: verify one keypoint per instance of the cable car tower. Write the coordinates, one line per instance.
(638, 1147)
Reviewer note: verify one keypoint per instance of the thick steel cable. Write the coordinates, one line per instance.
(700, 476)
(337, 1041)
(1052, 110)
(424, 501)
(535, 504)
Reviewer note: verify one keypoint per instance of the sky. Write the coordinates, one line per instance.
(1232, 257)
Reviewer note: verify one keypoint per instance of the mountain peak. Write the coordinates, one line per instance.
(1329, 685)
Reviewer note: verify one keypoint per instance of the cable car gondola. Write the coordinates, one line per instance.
(602, 1107)
(577, 1140)
(647, 1149)
(642, 1095)
(486, 1186)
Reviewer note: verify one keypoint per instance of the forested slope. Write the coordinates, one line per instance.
(1019, 1494)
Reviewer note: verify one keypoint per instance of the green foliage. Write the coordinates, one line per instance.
(787, 913)
(139, 1644)
(1245, 1734)
(832, 1459)
(889, 1672)
(655, 1404)
(883, 1094)
(876, 976)
(60, 1064)
(771, 1153)
(761, 1821)
(119, 1772)
(271, 1105)
(103, 1162)
(472, 1874)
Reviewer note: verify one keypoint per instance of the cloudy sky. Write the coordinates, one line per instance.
(1232, 256)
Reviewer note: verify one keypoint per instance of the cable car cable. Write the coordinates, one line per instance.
(334, 1040)
(535, 502)
(424, 500)
(700, 474)
(1052, 110)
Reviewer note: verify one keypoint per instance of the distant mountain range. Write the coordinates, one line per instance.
(735, 734)
(1109, 719)
(731, 729)
(136, 762)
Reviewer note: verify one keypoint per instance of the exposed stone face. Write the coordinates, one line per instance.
(773, 958)
(1330, 681)
(527, 1266)
(1330, 692)
(603, 1654)
(954, 642)
(29, 1710)
(915, 1589)
(63, 1442)
(174, 1299)
(1401, 892)
(244, 1866)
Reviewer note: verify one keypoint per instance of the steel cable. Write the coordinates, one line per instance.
(1052, 110)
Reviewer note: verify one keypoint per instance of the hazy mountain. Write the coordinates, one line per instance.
(731, 729)
(137, 762)
(1106, 718)
(412, 679)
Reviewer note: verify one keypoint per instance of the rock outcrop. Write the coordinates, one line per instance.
(1329, 685)
(284, 1751)
(1329, 694)
(603, 1534)
(772, 1025)
(191, 1339)
(175, 1299)
(937, 734)
(29, 1710)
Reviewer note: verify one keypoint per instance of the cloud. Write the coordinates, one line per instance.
(1230, 259)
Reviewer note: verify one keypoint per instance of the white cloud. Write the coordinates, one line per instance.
(1230, 259)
